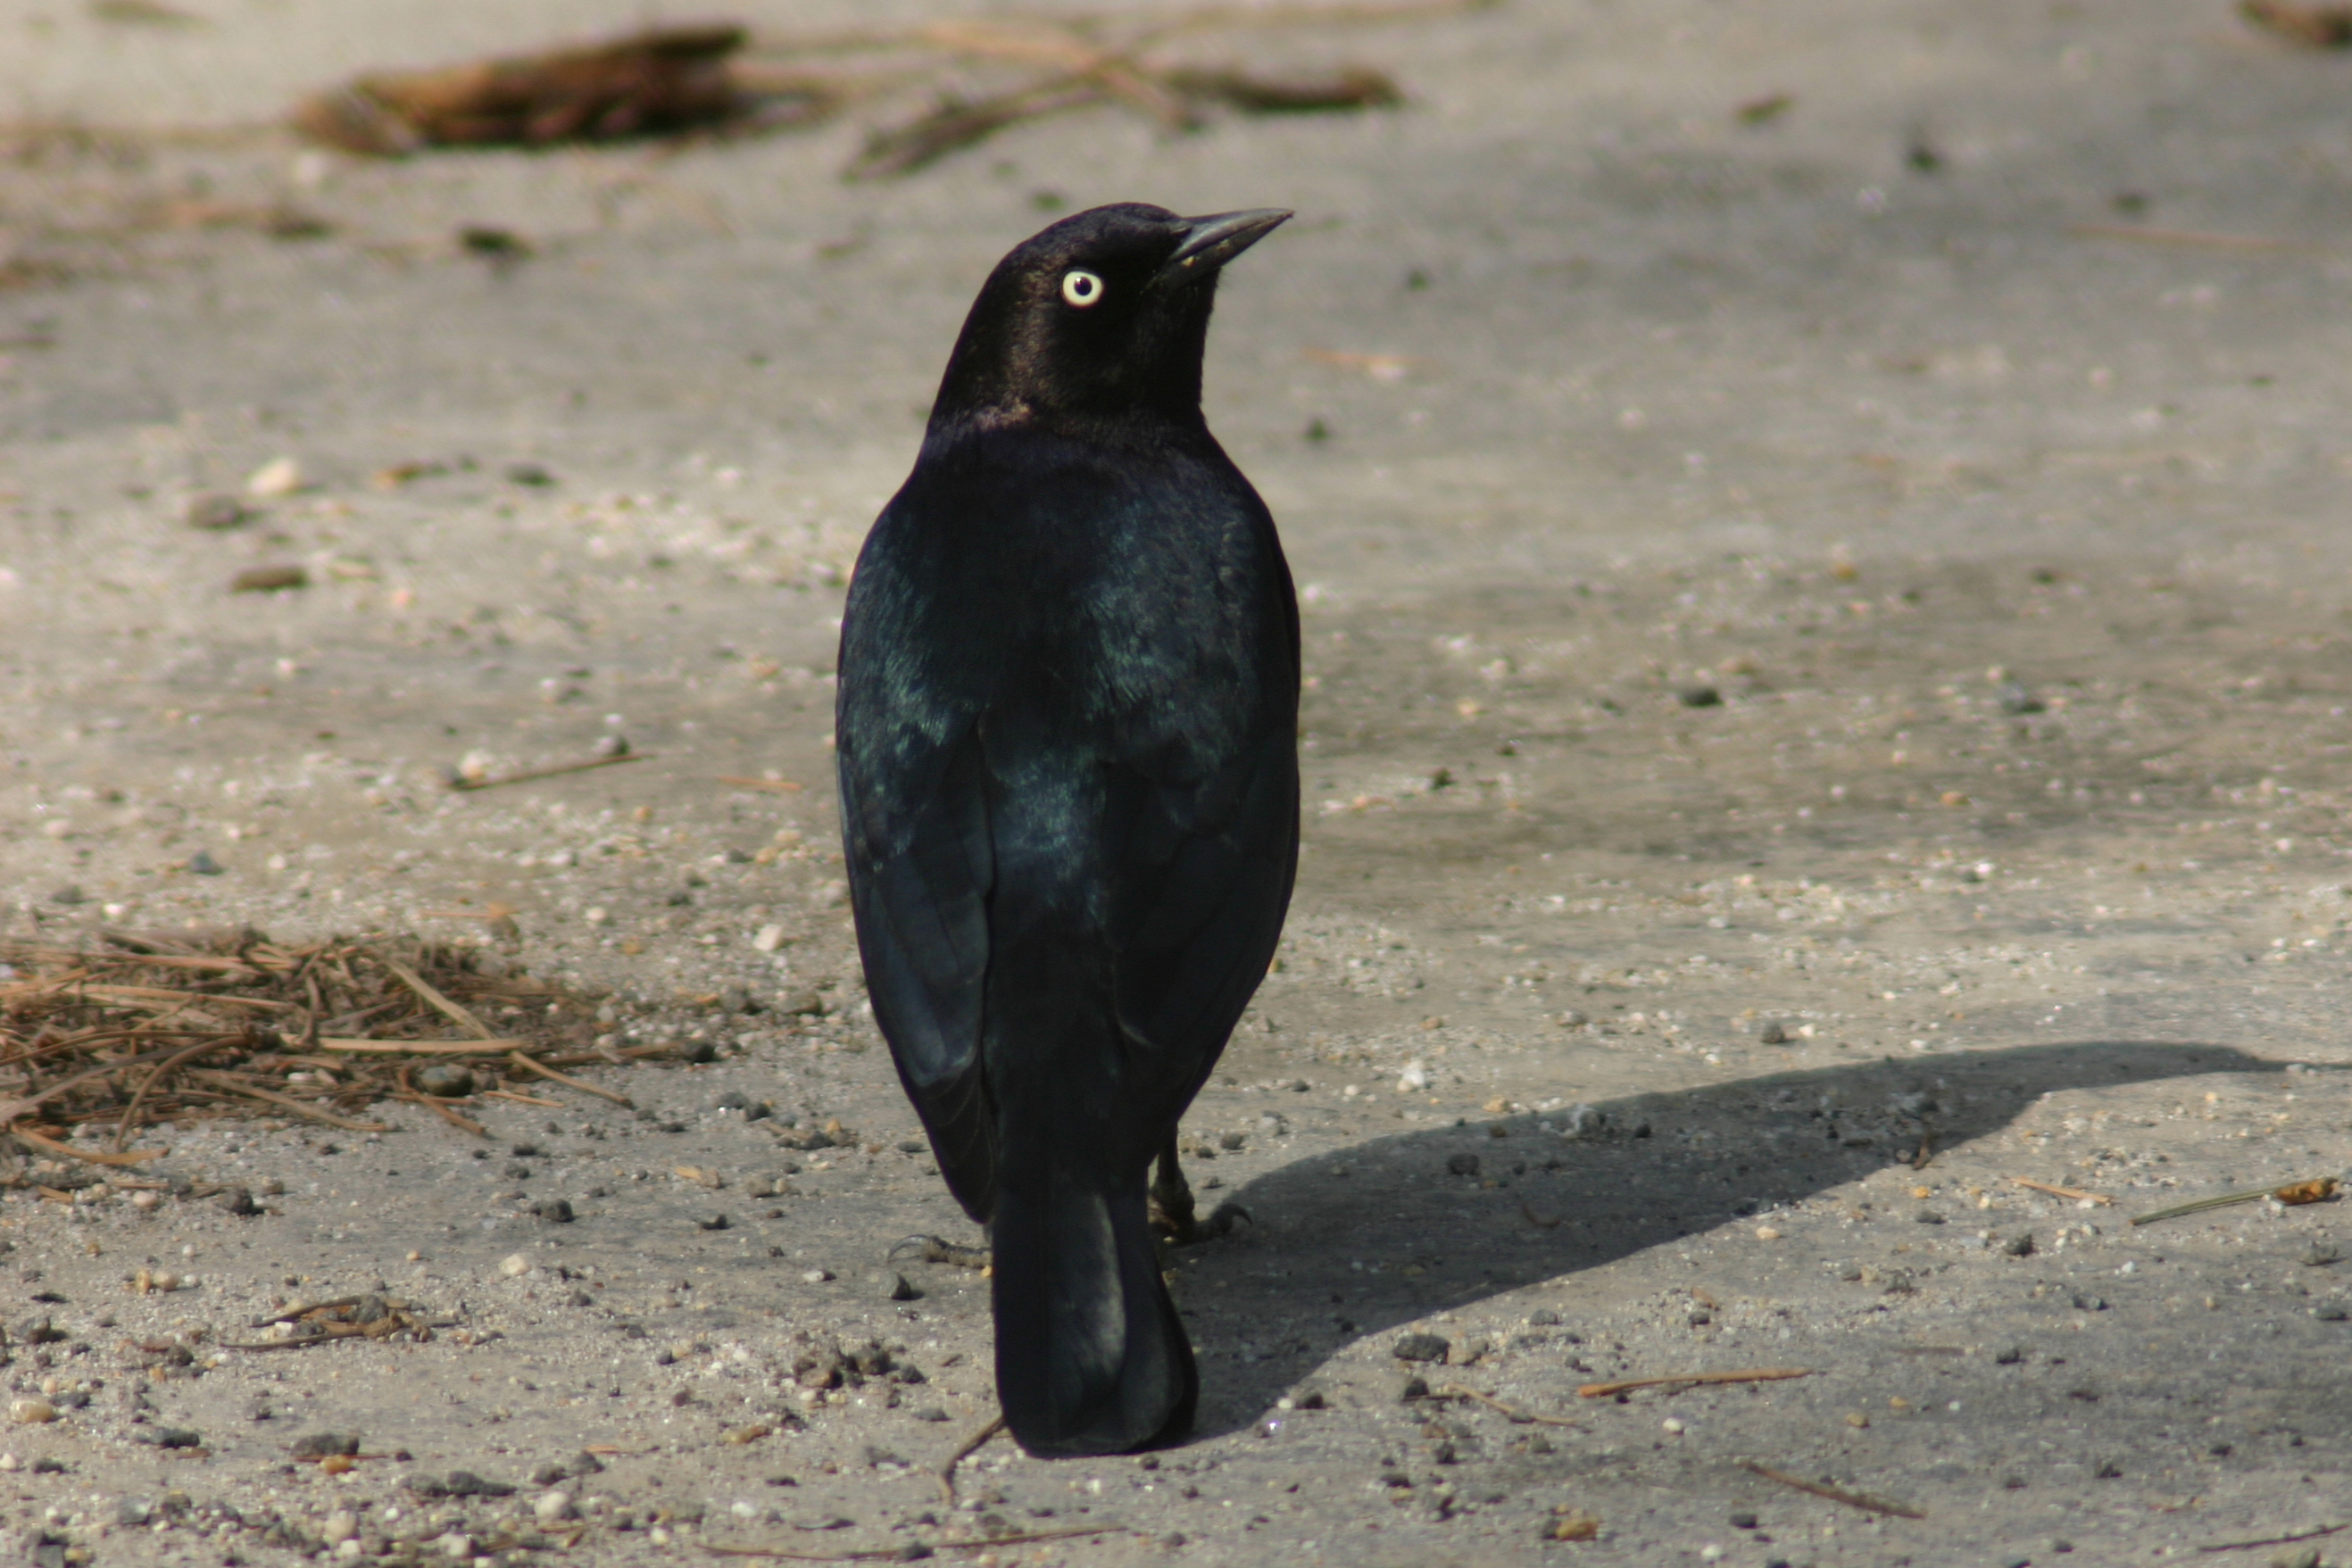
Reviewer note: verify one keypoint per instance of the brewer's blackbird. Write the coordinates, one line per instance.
(1069, 792)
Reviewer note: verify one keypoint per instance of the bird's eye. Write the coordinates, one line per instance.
(1081, 288)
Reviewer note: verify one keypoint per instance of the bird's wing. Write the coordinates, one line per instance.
(1204, 863)
(921, 863)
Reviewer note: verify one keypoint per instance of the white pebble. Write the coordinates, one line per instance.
(553, 1507)
(349, 1550)
(278, 476)
(456, 1545)
(1413, 1079)
(341, 1526)
(1768, 1233)
(768, 938)
(31, 1412)
(597, 915)
(514, 1266)
(1672, 1424)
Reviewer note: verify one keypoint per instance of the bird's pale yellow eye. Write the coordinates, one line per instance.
(1081, 288)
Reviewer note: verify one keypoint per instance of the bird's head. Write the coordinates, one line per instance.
(1104, 314)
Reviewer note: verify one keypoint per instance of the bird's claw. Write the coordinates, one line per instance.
(933, 1250)
(1182, 1230)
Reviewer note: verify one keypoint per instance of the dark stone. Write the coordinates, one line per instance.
(1421, 1347)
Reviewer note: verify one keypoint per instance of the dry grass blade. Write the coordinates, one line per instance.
(1690, 1379)
(1862, 1500)
(2074, 1193)
(528, 1065)
(1509, 1412)
(2274, 1540)
(956, 125)
(162, 1027)
(64, 1151)
(441, 1004)
(491, 1046)
(530, 774)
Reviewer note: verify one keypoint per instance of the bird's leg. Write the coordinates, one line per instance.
(1172, 1210)
(933, 1250)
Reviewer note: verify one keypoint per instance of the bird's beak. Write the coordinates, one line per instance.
(1209, 243)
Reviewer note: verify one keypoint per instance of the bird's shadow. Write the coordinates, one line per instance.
(1357, 1240)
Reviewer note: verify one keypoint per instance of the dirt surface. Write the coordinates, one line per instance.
(1826, 636)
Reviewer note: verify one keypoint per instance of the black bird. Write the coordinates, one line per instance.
(1068, 762)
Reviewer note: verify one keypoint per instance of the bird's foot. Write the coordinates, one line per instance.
(1179, 1227)
(933, 1250)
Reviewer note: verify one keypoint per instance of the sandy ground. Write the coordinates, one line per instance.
(1826, 645)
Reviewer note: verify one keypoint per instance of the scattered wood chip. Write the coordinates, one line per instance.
(1862, 1500)
(2313, 26)
(269, 579)
(661, 82)
(1689, 1379)
(689, 81)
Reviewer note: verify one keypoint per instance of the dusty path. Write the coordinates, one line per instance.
(1827, 699)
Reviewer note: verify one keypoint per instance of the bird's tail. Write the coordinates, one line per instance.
(1090, 1355)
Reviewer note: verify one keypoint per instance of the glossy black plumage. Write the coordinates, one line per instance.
(1066, 729)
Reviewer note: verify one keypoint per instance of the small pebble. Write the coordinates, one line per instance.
(1420, 1347)
(1672, 1424)
(1773, 1034)
(279, 477)
(1856, 1418)
(1699, 697)
(1768, 1233)
(1743, 1520)
(815, 1276)
(446, 1080)
(31, 1412)
(552, 1508)
(711, 1221)
(612, 746)
(214, 512)
(892, 1286)
(341, 1526)
(202, 863)
(514, 1266)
